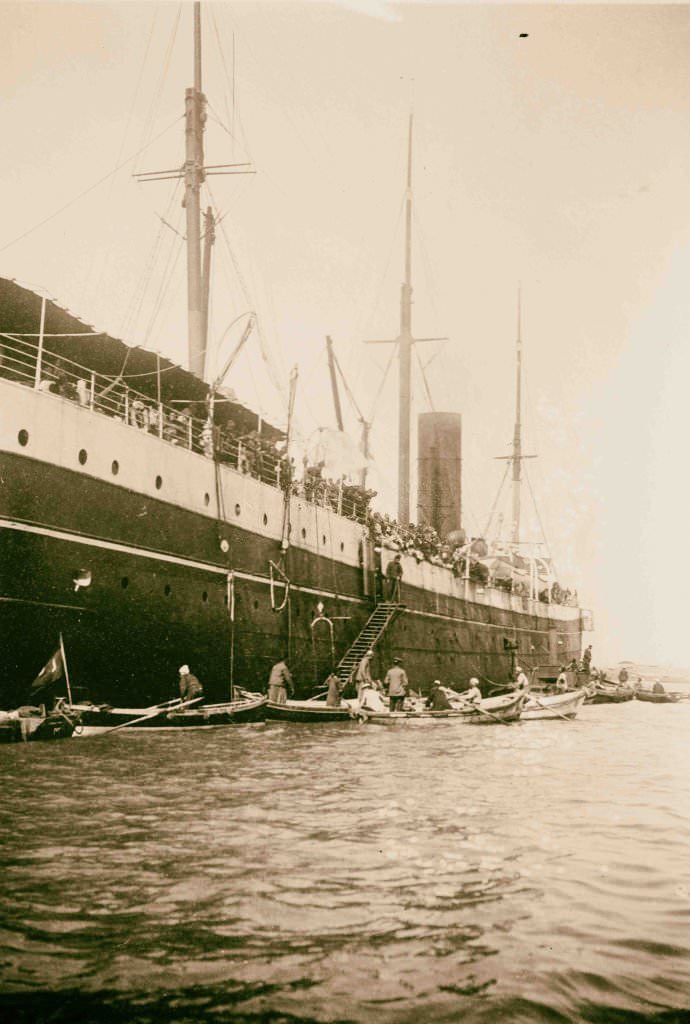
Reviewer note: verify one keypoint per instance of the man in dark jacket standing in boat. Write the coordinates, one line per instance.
(280, 683)
(397, 684)
(190, 687)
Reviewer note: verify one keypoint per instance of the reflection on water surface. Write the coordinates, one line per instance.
(422, 873)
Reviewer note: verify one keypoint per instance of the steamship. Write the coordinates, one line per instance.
(135, 524)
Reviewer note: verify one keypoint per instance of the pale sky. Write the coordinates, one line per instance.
(561, 160)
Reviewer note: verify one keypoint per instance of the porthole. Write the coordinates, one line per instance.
(304, 534)
(237, 510)
(323, 538)
(124, 582)
(256, 605)
(207, 499)
(83, 456)
(167, 590)
(224, 546)
(265, 519)
(342, 545)
(115, 467)
(23, 438)
(159, 482)
(204, 596)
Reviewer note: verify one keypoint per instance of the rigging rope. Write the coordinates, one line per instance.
(266, 356)
(539, 520)
(498, 495)
(155, 101)
(86, 191)
(89, 290)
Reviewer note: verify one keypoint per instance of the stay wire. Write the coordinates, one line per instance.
(245, 292)
(495, 502)
(155, 102)
(105, 262)
(86, 191)
(541, 525)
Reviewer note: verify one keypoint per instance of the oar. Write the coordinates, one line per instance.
(476, 707)
(152, 714)
(544, 707)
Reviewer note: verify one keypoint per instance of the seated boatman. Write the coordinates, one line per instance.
(474, 694)
(190, 687)
(437, 700)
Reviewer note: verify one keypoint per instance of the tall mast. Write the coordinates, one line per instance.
(405, 341)
(517, 433)
(195, 118)
(405, 354)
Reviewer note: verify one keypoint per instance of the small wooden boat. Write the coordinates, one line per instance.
(98, 719)
(503, 709)
(313, 711)
(653, 697)
(608, 693)
(559, 705)
(30, 723)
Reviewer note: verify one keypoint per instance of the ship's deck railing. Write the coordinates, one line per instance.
(21, 361)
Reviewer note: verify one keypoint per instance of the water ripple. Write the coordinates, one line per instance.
(531, 873)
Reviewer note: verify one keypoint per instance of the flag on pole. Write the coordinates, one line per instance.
(50, 673)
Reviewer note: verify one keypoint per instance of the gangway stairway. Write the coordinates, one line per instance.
(374, 628)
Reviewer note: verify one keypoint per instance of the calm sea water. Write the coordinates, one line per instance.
(534, 872)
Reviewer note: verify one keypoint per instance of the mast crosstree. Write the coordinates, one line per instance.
(194, 173)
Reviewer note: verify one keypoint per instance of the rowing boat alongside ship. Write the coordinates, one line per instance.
(559, 705)
(502, 709)
(309, 712)
(133, 521)
(600, 692)
(96, 720)
(652, 697)
(29, 723)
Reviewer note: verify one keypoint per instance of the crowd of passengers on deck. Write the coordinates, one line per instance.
(257, 455)
(424, 544)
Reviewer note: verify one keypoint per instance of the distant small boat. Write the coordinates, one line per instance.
(174, 714)
(501, 709)
(30, 723)
(309, 711)
(657, 698)
(559, 705)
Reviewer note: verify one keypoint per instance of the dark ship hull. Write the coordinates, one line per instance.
(146, 554)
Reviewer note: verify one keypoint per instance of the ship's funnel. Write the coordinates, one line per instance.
(439, 448)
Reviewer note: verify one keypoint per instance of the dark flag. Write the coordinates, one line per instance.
(50, 673)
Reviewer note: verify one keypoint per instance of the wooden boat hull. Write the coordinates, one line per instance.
(561, 705)
(616, 695)
(307, 711)
(657, 698)
(23, 725)
(492, 710)
(97, 721)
